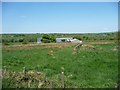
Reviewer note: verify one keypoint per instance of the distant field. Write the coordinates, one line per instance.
(94, 65)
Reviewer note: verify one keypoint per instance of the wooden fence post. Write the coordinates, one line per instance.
(24, 71)
(77, 47)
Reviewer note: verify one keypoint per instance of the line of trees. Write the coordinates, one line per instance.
(20, 40)
(25, 40)
(48, 38)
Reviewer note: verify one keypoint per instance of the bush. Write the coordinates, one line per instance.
(77, 37)
(32, 40)
(21, 40)
(6, 43)
(53, 39)
(16, 40)
(46, 36)
(111, 38)
(12, 40)
(47, 39)
(25, 41)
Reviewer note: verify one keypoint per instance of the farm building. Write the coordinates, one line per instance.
(63, 39)
(59, 40)
(39, 40)
(75, 41)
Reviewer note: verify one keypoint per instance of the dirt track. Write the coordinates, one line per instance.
(101, 42)
(51, 45)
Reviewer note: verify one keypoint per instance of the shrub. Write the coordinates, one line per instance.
(111, 38)
(77, 37)
(16, 40)
(53, 39)
(47, 38)
(6, 43)
(32, 39)
(21, 40)
(25, 41)
(12, 40)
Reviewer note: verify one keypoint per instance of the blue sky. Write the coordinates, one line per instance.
(59, 17)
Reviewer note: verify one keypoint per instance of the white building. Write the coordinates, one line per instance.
(59, 40)
(63, 39)
(76, 41)
(39, 40)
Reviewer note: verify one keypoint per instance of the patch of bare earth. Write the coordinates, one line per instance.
(44, 45)
(101, 42)
(48, 45)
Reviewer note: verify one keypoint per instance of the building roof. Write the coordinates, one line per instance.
(64, 38)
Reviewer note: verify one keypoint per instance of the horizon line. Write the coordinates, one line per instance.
(59, 32)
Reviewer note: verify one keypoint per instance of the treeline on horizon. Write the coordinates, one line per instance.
(8, 39)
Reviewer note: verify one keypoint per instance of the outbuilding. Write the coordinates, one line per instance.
(60, 40)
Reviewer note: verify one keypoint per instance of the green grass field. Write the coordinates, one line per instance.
(93, 66)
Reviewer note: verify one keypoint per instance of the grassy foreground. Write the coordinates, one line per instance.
(92, 66)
